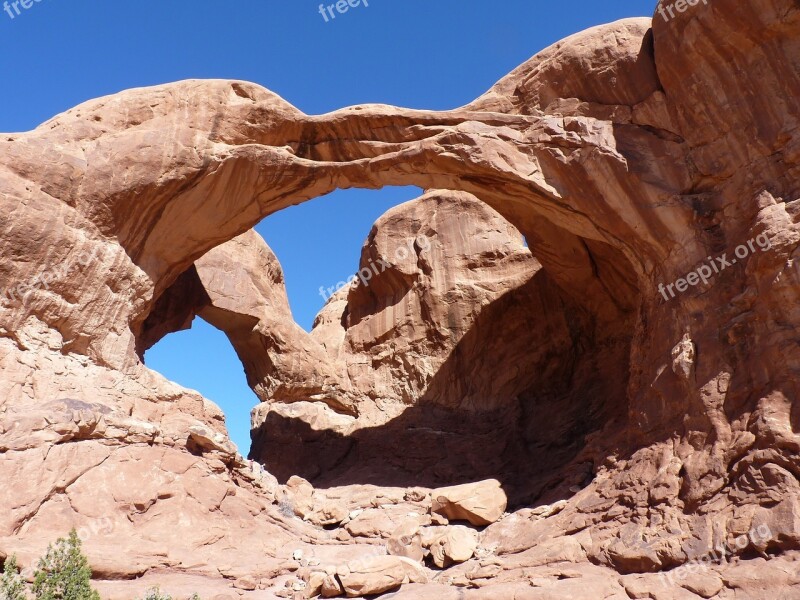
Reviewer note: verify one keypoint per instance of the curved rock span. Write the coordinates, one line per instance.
(628, 376)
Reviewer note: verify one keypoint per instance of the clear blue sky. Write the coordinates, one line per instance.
(434, 54)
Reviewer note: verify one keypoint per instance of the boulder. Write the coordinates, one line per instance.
(331, 586)
(456, 544)
(480, 503)
(406, 541)
(379, 574)
(300, 494)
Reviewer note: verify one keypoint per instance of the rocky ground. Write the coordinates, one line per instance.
(514, 402)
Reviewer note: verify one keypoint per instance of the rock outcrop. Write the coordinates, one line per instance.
(238, 287)
(455, 345)
(651, 168)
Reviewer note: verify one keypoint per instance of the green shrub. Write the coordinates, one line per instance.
(63, 573)
(12, 587)
(155, 594)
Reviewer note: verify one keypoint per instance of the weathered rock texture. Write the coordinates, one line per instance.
(626, 155)
(457, 347)
(238, 287)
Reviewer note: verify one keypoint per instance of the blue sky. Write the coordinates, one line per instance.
(433, 54)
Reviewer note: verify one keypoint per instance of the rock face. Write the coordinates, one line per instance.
(651, 168)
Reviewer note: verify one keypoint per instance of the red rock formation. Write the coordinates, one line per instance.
(238, 287)
(626, 155)
(458, 348)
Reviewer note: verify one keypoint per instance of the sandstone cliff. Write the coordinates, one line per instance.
(627, 156)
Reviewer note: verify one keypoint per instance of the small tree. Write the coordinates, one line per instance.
(63, 573)
(12, 587)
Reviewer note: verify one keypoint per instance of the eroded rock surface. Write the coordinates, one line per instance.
(627, 155)
(456, 346)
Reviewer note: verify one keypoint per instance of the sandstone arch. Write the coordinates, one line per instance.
(657, 152)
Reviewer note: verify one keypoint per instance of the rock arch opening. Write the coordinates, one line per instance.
(452, 340)
(319, 242)
(200, 357)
